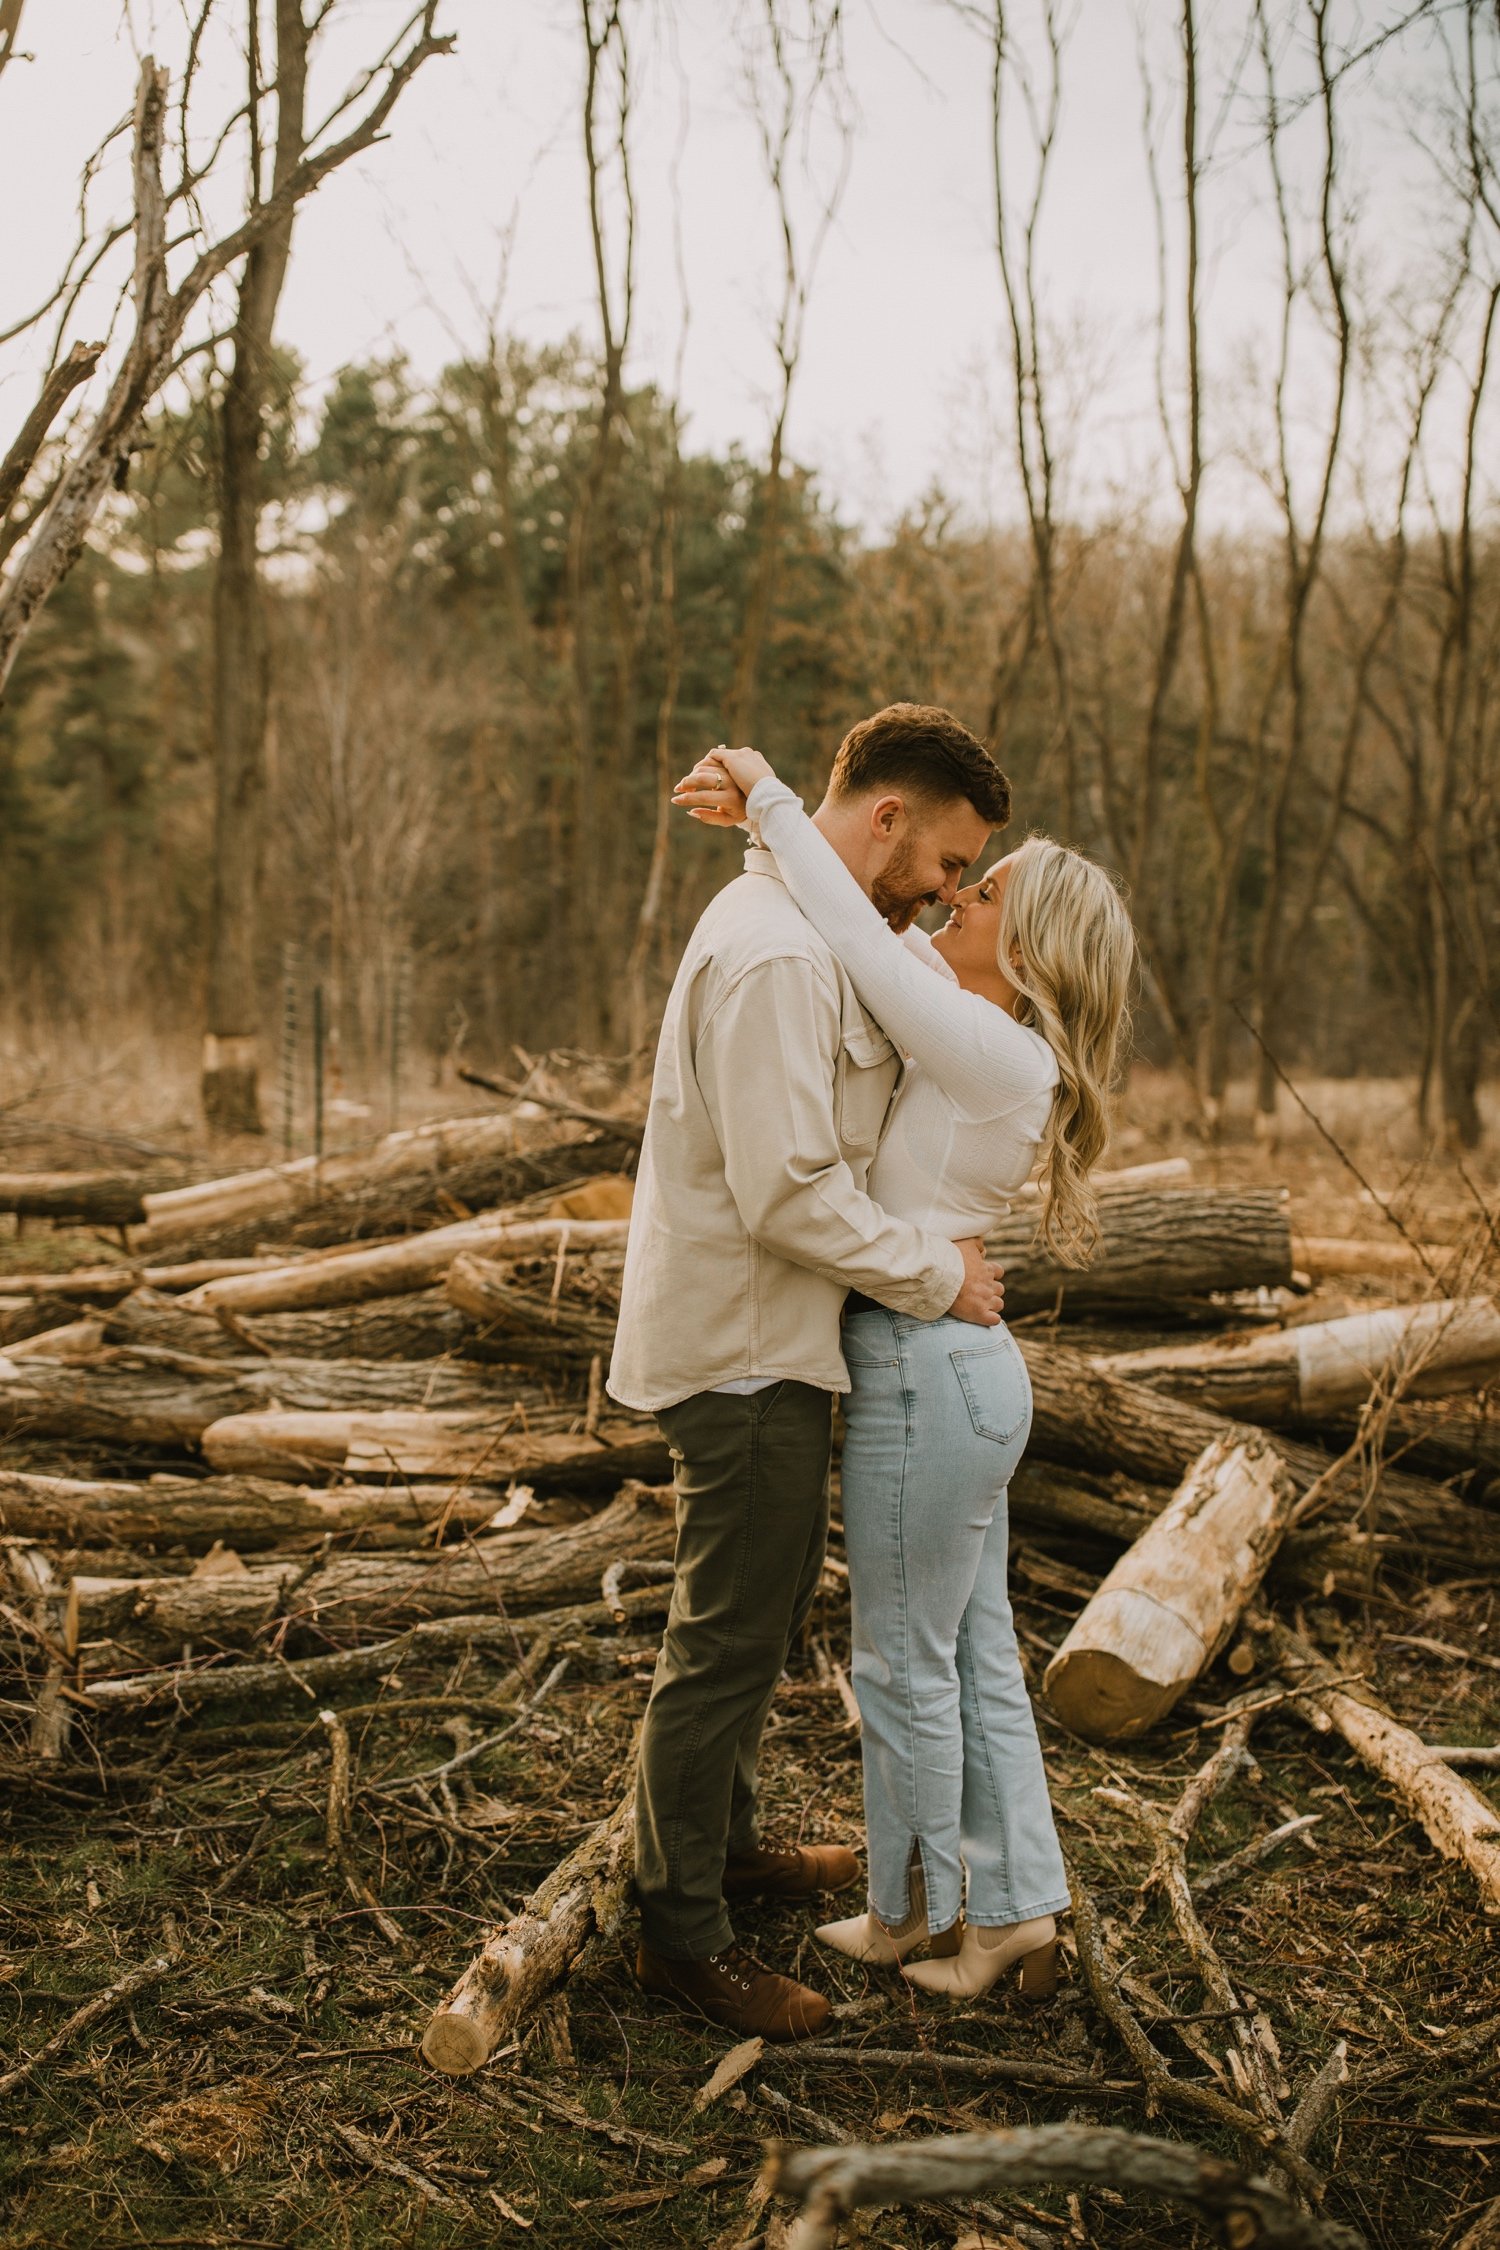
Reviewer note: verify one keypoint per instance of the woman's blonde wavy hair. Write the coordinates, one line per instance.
(1067, 944)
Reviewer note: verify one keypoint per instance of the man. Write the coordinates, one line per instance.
(750, 1226)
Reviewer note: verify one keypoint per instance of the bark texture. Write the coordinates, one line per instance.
(517, 1966)
(246, 1513)
(102, 1199)
(1159, 1245)
(492, 1445)
(834, 2182)
(240, 686)
(275, 1191)
(1089, 1419)
(396, 1268)
(512, 1570)
(1172, 1600)
(1324, 1372)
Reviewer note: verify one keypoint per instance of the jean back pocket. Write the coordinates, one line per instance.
(996, 1388)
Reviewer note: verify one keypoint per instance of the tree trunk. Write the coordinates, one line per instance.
(1325, 1372)
(353, 1276)
(521, 1963)
(1172, 1601)
(25, 1316)
(424, 1326)
(1157, 1247)
(145, 1396)
(512, 1570)
(240, 685)
(246, 1513)
(489, 1445)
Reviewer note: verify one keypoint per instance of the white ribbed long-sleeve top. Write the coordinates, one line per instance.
(970, 1114)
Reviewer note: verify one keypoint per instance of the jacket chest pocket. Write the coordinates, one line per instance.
(868, 1067)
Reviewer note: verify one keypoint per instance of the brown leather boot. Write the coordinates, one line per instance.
(733, 1989)
(788, 1870)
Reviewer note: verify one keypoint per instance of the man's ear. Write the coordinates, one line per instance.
(886, 816)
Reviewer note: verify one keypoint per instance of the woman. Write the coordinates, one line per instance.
(1012, 1045)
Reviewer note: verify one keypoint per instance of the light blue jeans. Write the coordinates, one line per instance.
(938, 1417)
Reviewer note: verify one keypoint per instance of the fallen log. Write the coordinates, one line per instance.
(106, 1285)
(1173, 1599)
(101, 1199)
(274, 1190)
(493, 1444)
(349, 1277)
(1158, 1246)
(423, 1326)
(246, 1513)
(1322, 1257)
(192, 1689)
(1087, 1418)
(1455, 1817)
(145, 1396)
(510, 1570)
(833, 2183)
(1163, 1171)
(517, 1966)
(1324, 1372)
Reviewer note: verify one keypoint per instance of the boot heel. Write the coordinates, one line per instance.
(1038, 1979)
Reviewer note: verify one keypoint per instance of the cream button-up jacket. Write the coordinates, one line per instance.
(751, 1221)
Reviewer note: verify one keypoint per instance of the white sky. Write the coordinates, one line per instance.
(403, 249)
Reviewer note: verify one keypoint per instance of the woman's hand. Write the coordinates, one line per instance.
(716, 789)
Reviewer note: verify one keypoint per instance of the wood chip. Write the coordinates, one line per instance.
(730, 2070)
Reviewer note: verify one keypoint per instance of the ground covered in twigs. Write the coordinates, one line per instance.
(261, 2085)
(267, 2090)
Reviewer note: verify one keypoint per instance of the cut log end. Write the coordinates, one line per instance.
(1106, 1699)
(453, 2042)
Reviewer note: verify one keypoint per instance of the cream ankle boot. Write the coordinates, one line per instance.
(984, 1955)
(864, 1937)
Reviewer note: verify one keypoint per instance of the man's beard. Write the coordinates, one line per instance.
(893, 894)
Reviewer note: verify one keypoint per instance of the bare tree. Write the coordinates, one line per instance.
(97, 452)
(800, 69)
(241, 682)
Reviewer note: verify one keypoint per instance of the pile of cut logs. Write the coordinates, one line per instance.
(314, 1416)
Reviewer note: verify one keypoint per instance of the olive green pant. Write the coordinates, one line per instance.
(752, 1523)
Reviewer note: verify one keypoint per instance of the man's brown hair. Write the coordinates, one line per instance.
(922, 751)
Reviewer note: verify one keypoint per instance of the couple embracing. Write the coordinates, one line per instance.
(841, 1109)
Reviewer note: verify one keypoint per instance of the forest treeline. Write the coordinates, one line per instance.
(463, 777)
(382, 686)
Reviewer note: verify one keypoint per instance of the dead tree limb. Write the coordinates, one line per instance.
(1457, 1820)
(162, 314)
(519, 1964)
(321, 1675)
(337, 1825)
(1161, 2086)
(93, 2011)
(833, 2183)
